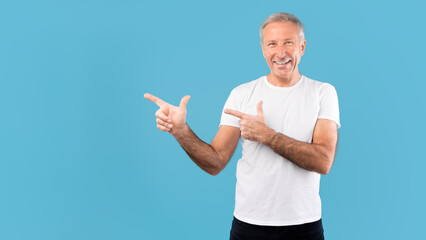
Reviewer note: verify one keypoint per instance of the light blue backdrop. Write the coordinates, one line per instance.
(80, 155)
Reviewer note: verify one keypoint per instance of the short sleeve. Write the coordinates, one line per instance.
(231, 103)
(329, 105)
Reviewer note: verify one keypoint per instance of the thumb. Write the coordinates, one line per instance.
(184, 101)
(260, 109)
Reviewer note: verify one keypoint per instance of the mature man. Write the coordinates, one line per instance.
(288, 128)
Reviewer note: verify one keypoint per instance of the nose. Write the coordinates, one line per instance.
(281, 52)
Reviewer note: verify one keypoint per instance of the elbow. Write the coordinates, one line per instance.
(214, 171)
(326, 166)
(325, 171)
(218, 168)
(219, 164)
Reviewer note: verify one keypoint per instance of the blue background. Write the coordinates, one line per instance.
(80, 155)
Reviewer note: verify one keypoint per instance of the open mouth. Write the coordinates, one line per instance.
(282, 63)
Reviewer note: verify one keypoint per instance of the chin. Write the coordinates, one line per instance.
(282, 75)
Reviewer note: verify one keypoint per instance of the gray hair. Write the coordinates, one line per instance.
(283, 17)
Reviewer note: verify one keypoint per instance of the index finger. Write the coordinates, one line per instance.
(154, 99)
(234, 113)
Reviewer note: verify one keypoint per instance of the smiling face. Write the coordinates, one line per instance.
(283, 49)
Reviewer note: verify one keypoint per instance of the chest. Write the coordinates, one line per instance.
(292, 113)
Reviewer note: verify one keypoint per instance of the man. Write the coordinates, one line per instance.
(288, 127)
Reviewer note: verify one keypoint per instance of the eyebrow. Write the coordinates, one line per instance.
(284, 39)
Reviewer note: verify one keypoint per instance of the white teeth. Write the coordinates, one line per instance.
(282, 63)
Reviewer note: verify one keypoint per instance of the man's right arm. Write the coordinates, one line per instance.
(213, 157)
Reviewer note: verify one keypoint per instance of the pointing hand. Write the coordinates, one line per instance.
(169, 118)
(253, 127)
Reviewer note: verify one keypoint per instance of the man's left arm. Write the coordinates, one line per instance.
(317, 156)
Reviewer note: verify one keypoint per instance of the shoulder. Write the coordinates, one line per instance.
(247, 87)
(316, 85)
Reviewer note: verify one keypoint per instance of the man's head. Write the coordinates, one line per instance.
(283, 17)
(283, 44)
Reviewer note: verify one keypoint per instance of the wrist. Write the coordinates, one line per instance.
(269, 136)
(179, 132)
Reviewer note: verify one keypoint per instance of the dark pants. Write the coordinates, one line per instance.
(245, 231)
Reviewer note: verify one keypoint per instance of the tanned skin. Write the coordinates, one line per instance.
(212, 158)
(282, 48)
(317, 156)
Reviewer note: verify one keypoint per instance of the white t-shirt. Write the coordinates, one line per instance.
(270, 189)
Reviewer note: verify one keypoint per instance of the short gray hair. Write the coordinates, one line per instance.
(283, 17)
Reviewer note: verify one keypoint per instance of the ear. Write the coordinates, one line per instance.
(302, 47)
(263, 51)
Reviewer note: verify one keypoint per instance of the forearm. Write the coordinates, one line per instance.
(200, 152)
(309, 156)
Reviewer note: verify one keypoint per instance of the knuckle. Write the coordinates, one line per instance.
(160, 122)
(161, 128)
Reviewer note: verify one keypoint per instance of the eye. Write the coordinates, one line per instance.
(288, 43)
(271, 44)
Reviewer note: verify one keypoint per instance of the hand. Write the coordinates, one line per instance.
(169, 118)
(253, 127)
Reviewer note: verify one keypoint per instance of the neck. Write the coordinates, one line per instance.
(284, 81)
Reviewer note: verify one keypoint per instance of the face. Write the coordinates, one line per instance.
(282, 49)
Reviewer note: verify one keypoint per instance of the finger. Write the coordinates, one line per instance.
(160, 114)
(184, 101)
(235, 113)
(164, 124)
(244, 135)
(242, 122)
(154, 99)
(260, 109)
(162, 128)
